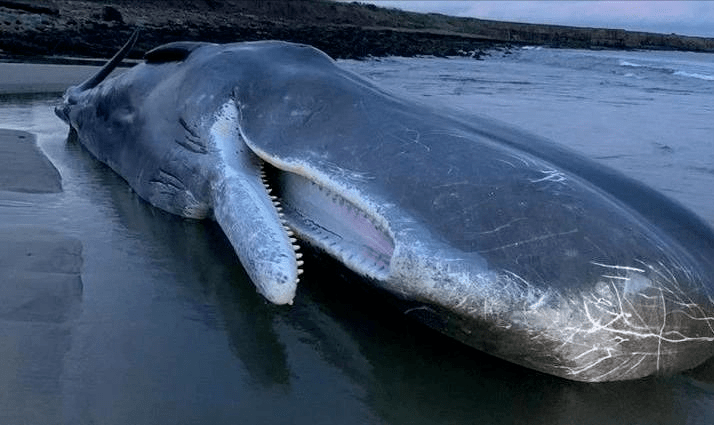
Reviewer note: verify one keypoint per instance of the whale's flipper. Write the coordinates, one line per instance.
(250, 217)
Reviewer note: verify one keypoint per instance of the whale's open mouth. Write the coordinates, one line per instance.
(332, 223)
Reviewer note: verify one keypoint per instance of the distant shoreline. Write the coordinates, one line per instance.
(58, 29)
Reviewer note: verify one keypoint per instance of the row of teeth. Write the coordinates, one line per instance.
(372, 263)
(279, 209)
(357, 212)
(376, 261)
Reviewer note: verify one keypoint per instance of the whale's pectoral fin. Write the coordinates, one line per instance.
(251, 218)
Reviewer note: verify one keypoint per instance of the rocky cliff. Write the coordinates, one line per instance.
(30, 30)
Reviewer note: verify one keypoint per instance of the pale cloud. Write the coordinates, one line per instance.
(682, 17)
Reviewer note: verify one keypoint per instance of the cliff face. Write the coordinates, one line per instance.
(94, 28)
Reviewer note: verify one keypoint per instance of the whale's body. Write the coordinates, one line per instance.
(500, 239)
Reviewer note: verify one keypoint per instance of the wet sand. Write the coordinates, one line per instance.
(23, 167)
(25, 78)
(41, 292)
(40, 268)
(40, 289)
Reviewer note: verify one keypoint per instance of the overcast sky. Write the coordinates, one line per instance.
(681, 17)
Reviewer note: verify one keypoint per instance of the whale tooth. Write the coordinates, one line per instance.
(279, 210)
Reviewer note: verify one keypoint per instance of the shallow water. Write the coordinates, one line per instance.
(169, 329)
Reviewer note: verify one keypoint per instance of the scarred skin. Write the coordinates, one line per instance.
(500, 239)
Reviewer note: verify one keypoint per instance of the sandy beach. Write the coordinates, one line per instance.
(23, 167)
(24, 78)
(40, 283)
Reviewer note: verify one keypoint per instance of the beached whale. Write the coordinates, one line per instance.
(507, 242)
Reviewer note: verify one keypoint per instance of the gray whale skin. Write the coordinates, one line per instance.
(502, 240)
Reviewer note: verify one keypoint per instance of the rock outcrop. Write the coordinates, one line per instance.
(86, 28)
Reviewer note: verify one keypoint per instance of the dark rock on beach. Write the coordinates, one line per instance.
(31, 30)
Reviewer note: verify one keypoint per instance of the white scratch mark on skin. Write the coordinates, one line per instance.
(540, 302)
(462, 302)
(501, 227)
(414, 137)
(615, 322)
(513, 274)
(417, 139)
(506, 162)
(346, 174)
(615, 277)
(531, 240)
(551, 175)
(634, 269)
(661, 330)
(524, 161)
